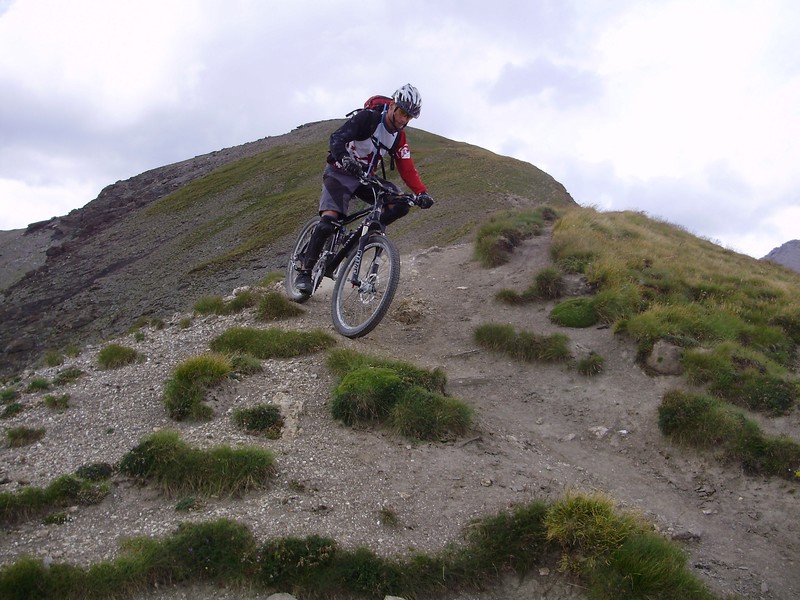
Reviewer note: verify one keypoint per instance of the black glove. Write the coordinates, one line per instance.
(352, 166)
(424, 200)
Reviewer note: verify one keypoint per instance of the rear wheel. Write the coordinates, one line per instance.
(295, 261)
(357, 309)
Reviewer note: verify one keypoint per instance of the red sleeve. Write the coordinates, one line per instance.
(405, 166)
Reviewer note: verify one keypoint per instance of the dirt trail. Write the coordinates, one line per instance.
(540, 430)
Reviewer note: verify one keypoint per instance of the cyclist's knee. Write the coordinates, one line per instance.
(325, 225)
(392, 212)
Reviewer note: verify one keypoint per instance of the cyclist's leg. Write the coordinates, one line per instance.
(336, 192)
(321, 233)
(391, 212)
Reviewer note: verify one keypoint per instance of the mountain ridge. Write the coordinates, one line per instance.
(151, 245)
(787, 254)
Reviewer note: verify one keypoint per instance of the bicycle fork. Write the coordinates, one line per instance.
(362, 244)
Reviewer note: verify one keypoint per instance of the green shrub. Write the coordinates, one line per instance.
(72, 350)
(58, 518)
(188, 504)
(241, 301)
(514, 540)
(509, 296)
(575, 312)
(115, 356)
(406, 398)
(271, 343)
(185, 391)
(615, 303)
(179, 469)
(262, 418)
(216, 305)
(274, 306)
(271, 278)
(98, 471)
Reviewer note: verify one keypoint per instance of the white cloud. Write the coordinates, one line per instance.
(687, 110)
(22, 204)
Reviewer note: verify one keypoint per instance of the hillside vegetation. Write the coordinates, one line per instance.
(153, 244)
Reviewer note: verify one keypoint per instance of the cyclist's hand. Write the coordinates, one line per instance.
(424, 200)
(352, 166)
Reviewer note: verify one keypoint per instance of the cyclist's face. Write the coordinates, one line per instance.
(398, 117)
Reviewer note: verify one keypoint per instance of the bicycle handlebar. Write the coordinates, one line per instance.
(373, 181)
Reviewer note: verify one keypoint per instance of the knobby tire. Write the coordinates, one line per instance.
(357, 311)
(295, 261)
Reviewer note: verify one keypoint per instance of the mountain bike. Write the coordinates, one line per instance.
(362, 261)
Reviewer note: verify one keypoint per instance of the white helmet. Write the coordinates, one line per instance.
(408, 98)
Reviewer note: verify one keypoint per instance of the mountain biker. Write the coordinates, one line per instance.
(356, 148)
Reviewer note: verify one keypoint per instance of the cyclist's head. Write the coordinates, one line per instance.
(408, 98)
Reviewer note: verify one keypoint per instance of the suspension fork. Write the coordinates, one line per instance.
(366, 229)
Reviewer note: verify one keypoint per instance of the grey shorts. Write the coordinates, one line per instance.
(339, 187)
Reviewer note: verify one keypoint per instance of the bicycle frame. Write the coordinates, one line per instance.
(371, 222)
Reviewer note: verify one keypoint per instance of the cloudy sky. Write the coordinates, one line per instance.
(688, 110)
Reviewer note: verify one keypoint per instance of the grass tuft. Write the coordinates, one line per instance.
(64, 491)
(23, 436)
(185, 391)
(180, 470)
(403, 397)
(225, 553)
(523, 345)
(503, 232)
(708, 423)
(115, 356)
(591, 365)
(271, 343)
(263, 419)
(274, 306)
(575, 312)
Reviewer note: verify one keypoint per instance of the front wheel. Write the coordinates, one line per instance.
(296, 261)
(357, 309)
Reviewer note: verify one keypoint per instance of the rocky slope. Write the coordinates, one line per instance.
(787, 254)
